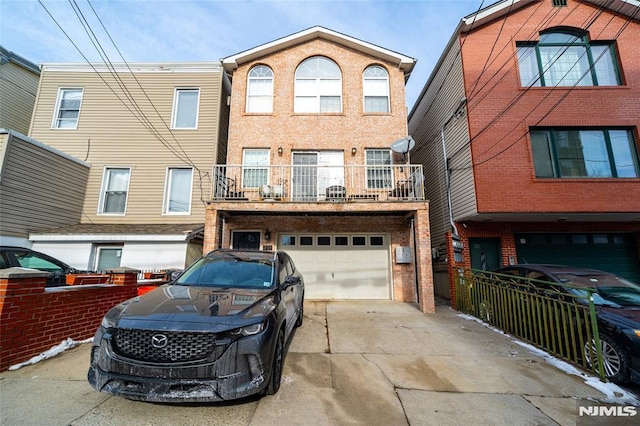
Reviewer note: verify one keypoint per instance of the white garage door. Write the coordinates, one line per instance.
(341, 266)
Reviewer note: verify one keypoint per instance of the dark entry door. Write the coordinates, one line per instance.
(243, 240)
(485, 253)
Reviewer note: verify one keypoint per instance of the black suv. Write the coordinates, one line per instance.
(217, 332)
(26, 258)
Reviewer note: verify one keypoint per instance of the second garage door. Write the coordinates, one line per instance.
(341, 266)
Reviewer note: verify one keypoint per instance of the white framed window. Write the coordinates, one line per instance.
(255, 168)
(177, 194)
(67, 108)
(318, 86)
(260, 90)
(375, 88)
(185, 108)
(108, 257)
(115, 189)
(378, 163)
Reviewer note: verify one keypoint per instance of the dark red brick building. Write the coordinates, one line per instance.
(528, 133)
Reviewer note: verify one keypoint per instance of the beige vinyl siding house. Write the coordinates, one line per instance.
(40, 188)
(151, 133)
(114, 131)
(18, 86)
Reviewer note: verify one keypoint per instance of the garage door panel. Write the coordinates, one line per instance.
(614, 253)
(339, 272)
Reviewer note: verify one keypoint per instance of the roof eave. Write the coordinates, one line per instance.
(403, 62)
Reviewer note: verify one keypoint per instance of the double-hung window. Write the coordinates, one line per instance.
(379, 174)
(589, 153)
(177, 197)
(185, 108)
(67, 108)
(255, 168)
(376, 89)
(260, 90)
(115, 188)
(566, 58)
(318, 86)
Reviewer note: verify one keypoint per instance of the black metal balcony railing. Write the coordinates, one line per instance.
(312, 183)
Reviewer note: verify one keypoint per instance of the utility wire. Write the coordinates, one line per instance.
(140, 85)
(626, 24)
(433, 137)
(141, 116)
(190, 162)
(590, 21)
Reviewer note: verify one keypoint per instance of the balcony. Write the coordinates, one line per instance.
(318, 183)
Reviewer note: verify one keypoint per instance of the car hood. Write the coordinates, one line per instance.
(626, 317)
(176, 307)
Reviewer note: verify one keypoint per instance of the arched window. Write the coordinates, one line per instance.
(260, 90)
(375, 87)
(318, 86)
(567, 58)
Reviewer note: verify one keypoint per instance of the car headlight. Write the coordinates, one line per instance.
(637, 332)
(108, 322)
(249, 330)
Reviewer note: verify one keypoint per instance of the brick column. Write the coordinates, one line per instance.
(123, 276)
(211, 223)
(426, 295)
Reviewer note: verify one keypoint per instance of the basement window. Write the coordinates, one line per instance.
(559, 3)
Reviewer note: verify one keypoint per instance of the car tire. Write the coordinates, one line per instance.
(300, 314)
(275, 376)
(486, 312)
(616, 359)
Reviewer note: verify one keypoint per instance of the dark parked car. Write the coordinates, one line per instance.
(217, 332)
(26, 258)
(617, 303)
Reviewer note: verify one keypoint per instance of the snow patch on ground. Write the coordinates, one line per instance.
(58, 349)
(613, 393)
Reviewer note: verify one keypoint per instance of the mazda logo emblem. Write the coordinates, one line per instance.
(159, 341)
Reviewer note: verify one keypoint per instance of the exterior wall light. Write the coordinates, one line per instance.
(353, 151)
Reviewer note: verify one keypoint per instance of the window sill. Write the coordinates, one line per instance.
(585, 180)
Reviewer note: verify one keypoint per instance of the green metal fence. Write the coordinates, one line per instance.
(535, 311)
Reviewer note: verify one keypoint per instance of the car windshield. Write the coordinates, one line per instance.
(229, 271)
(609, 289)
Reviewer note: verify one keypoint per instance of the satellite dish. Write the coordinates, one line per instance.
(403, 145)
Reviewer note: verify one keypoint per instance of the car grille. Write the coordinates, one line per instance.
(180, 346)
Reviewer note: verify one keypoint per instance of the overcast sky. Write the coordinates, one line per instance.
(207, 30)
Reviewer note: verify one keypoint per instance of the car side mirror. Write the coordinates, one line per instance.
(290, 280)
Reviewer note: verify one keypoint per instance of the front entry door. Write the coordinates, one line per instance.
(485, 253)
(243, 240)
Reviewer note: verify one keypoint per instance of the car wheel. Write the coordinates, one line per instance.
(616, 360)
(300, 314)
(276, 367)
(486, 313)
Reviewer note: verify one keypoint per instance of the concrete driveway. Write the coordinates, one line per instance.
(351, 363)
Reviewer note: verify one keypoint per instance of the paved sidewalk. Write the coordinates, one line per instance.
(351, 363)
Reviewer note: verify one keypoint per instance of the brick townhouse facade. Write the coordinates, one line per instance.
(309, 168)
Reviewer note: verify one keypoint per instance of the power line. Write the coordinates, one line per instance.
(626, 24)
(549, 16)
(591, 19)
